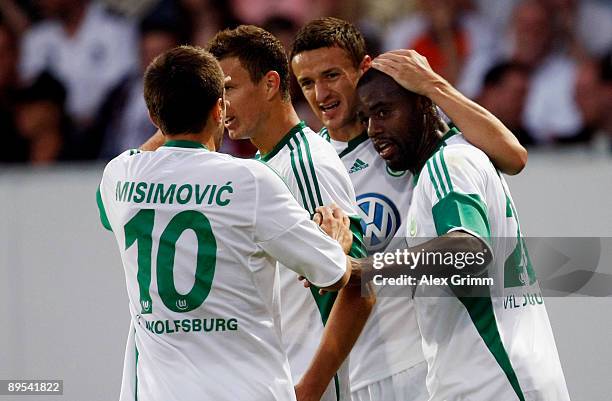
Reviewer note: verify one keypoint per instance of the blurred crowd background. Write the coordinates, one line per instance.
(71, 70)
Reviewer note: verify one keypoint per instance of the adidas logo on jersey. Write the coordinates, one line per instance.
(358, 165)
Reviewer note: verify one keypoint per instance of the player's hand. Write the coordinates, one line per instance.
(308, 284)
(336, 224)
(409, 69)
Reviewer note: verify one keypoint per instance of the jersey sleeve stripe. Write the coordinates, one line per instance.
(103, 216)
(439, 175)
(299, 181)
(304, 174)
(433, 180)
(445, 169)
(312, 169)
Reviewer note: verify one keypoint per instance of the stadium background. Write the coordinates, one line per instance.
(62, 296)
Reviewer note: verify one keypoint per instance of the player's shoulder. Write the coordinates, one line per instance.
(457, 154)
(455, 160)
(124, 158)
(304, 146)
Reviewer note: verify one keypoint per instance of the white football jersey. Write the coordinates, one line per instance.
(315, 175)
(199, 235)
(498, 346)
(390, 341)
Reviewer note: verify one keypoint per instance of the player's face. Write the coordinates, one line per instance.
(246, 99)
(328, 78)
(391, 121)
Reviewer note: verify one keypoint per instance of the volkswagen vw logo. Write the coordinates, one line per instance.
(381, 220)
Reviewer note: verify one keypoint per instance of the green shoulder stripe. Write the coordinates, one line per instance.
(298, 180)
(324, 133)
(445, 169)
(433, 179)
(312, 169)
(445, 190)
(302, 173)
(457, 210)
(102, 211)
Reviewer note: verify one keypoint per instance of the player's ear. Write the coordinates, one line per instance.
(272, 84)
(365, 64)
(218, 111)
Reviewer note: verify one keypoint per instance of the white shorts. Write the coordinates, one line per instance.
(407, 385)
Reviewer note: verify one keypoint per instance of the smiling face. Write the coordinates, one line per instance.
(394, 126)
(246, 108)
(328, 78)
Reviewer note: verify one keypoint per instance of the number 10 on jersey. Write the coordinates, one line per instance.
(140, 229)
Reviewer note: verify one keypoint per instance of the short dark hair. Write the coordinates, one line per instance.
(422, 104)
(258, 51)
(330, 32)
(181, 87)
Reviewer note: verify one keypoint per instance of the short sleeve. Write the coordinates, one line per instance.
(283, 229)
(455, 182)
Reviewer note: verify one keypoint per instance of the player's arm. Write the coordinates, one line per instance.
(291, 237)
(478, 125)
(346, 321)
(456, 242)
(344, 325)
(156, 141)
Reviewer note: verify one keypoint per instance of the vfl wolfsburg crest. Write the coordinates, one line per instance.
(182, 304)
(146, 306)
(413, 227)
(380, 220)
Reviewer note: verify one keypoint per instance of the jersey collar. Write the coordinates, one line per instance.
(185, 144)
(296, 128)
(353, 143)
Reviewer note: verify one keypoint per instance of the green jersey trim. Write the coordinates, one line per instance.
(136, 373)
(358, 248)
(103, 216)
(353, 143)
(481, 313)
(312, 171)
(439, 152)
(285, 141)
(438, 174)
(308, 189)
(457, 210)
(452, 131)
(324, 133)
(185, 144)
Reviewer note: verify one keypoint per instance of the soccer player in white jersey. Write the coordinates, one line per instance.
(260, 109)
(199, 234)
(477, 347)
(328, 56)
